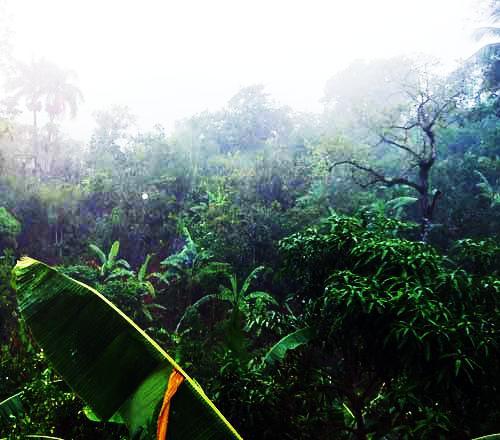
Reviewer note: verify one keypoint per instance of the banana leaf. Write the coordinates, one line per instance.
(10, 409)
(290, 342)
(488, 437)
(112, 364)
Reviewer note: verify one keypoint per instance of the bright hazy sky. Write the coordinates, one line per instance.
(170, 59)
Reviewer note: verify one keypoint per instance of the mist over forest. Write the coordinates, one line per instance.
(257, 269)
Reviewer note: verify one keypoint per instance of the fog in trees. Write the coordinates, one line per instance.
(324, 270)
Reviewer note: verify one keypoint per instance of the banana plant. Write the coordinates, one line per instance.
(112, 364)
(191, 266)
(394, 206)
(488, 191)
(142, 276)
(143, 279)
(144, 301)
(239, 300)
(184, 264)
(110, 265)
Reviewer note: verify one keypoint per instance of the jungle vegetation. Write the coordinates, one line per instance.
(320, 275)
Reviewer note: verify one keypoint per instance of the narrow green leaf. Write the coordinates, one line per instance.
(144, 268)
(100, 254)
(113, 253)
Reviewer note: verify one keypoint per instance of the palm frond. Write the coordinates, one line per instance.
(487, 31)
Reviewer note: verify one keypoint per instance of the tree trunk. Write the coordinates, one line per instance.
(35, 143)
(360, 431)
(426, 200)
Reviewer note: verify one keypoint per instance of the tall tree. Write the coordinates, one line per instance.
(251, 119)
(42, 84)
(413, 133)
(489, 55)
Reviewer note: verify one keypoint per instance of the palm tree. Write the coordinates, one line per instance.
(42, 84)
(28, 84)
(61, 95)
(489, 54)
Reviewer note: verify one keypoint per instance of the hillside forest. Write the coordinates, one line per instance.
(321, 275)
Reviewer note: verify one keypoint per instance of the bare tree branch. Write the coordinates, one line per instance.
(392, 142)
(404, 127)
(378, 177)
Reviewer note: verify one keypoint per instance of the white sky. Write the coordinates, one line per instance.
(170, 59)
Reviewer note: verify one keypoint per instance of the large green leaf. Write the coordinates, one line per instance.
(9, 225)
(249, 279)
(113, 365)
(10, 409)
(98, 251)
(290, 342)
(488, 437)
(141, 276)
(113, 253)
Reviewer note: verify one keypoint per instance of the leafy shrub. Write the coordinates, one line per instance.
(81, 272)
(9, 225)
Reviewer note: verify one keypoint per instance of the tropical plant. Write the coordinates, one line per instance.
(142, 276)
(134, 292)
(9, 225)
(386, 319)
(190, 268)
(113, 365)
(110, 265)
(489, 55)
(478, 256)
(487, 190)
(239, 300)
(289, 342)
(41, 83)
(185, 263)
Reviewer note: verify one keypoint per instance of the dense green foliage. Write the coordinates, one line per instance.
(329, 275)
